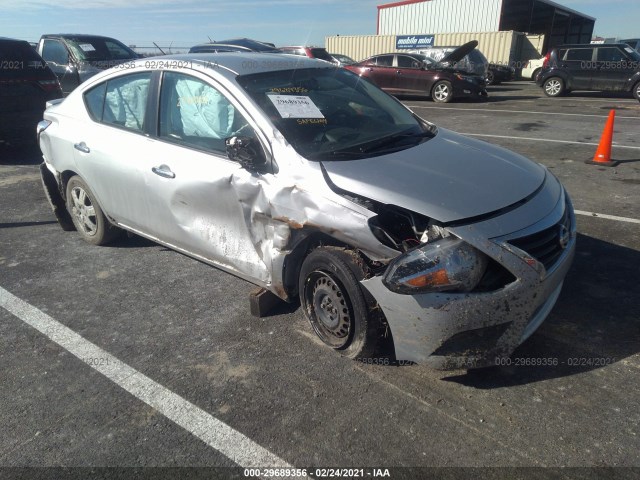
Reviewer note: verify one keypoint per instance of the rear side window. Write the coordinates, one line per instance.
(120, 102)
(94, 100)
(579, 54)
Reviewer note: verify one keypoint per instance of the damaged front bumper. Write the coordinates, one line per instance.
(471, 330)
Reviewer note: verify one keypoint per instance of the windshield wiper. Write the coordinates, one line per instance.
(392, 139)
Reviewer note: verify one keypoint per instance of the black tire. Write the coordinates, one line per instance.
(87, 216)
(491, 78)
(636, 91)
(442, 92)
(553, 87)
(535, 73)
(338, 309)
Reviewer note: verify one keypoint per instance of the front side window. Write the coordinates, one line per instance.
(121, 102)
(195, 114)
(610, 54)
(384, 60)
(54, 51)
(405, 61)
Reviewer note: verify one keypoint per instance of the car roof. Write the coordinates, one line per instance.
(244, 44)
(232, 64)
(74, 35)
(590, 45)
(7, 39)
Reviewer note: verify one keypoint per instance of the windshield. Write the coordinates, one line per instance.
(99, 49)
(331, 113)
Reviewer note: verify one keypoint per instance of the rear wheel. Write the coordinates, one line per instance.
(337, 307)
(553, 87)
(636, 91)
(87, 216)
(442, 92)
(535, 73)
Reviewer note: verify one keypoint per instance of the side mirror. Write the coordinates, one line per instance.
(248, 152)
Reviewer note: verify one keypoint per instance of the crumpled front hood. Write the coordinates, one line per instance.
(448, 178)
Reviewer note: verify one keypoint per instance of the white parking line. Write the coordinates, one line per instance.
(215, 433)
(618, 117)
(607, 217)
(543, 140)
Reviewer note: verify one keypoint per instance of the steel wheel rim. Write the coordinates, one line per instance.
(553, 87)
(83, 211)
(441, 92)
(638, 92)
(330, 313)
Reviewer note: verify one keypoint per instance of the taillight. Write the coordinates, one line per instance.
(547, 58)
(49, 85)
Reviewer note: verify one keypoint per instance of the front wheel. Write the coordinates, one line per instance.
(338, 309)
(491, 78)
(442, 92)
(87, 216)
(636, 91)
(553, 87)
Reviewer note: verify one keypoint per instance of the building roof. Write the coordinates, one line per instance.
(548, 2)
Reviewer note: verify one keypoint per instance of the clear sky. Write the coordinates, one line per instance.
(183, 23)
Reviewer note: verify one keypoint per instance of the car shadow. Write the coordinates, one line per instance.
(27, 224)
(131, 240)
(492, 99)
(594, 324)
(502, 88)
(27, 154)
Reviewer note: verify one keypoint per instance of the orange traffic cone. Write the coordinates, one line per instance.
(603, 153)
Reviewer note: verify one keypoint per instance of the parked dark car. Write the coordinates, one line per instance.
(633, 43)
(473, 62)
(74, 58)
(416, 74)
(26, 84)
(613, 67)
(235, 45)
(311, 52)
(497, 74)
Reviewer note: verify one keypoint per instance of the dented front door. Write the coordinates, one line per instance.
(198, 208)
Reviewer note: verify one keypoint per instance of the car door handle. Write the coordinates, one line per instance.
(163, 171)
(82, 147)
(399, 72)
(369, 69)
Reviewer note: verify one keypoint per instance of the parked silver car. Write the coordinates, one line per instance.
(308, 181)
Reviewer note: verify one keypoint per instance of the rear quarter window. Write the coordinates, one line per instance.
(579, 54)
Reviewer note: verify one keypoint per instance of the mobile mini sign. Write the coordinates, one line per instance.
(414, 41)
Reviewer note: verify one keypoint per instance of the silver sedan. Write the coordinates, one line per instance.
(310, 182)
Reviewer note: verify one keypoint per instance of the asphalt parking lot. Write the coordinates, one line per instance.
(178, 374)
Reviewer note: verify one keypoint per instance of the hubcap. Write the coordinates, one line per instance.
(83, 211)
(330, 316)
(441, 92)
(553, 87)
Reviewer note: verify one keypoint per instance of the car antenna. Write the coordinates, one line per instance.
(161, 51)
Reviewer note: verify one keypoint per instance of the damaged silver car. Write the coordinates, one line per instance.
(306, 180)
